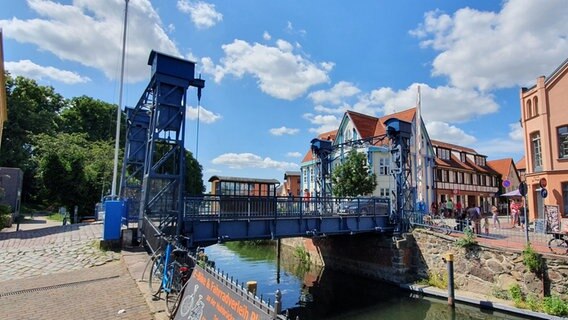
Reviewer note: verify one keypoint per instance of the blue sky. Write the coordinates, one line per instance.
(279, 72)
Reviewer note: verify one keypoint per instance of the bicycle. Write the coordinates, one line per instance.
(559, 243)
(437, 223)
(167, 274)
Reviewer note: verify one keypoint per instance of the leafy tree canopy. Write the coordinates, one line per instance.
(353, 177)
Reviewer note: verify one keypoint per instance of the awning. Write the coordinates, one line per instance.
(514, 193)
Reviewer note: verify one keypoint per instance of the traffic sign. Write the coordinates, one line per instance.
(523, 189)
(543, 193)
(506, 183)
(543, 182)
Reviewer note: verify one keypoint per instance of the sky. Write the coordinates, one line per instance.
(277, 73)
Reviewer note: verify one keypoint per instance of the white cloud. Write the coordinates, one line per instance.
(489, 50)
(446, 104)
(203, 14)
(516, 132)
(211, 171)
(325, 123)
(266, 36)
(500, 148)
(294, 154)
(90, 33)
(280, 73)
(205, 116)
(250, 160)
(448, 133)
(29, 69)
(283, 130)
(290, 28)
(336, 94)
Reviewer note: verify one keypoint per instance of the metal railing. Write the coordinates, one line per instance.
(231, 207)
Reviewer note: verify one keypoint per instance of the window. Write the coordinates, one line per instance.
(462, 156)
(565, 198)
(384, 166)
(467, 178)
(438, 175)
(536, 152)
(535, 102)
(452, 177)
(529, 108)
(384, 192)
(305, 176)
(444, 175)
(563, 142)
(312, 175)
(443, 154)
(480, 161)
(474, 182)
(460, 177)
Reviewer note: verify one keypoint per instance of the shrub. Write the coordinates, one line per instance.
(438, 279)
(5, 209)
(516, 293)
(468, 240)
(531, 259)
(555, 306)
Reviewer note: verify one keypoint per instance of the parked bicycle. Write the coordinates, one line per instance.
(559, 243)
(437, 223)
(167, 273)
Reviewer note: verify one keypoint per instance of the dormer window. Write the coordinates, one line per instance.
(443, 154)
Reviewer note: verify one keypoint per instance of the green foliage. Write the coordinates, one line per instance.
(516, 293)
(4, 220)
(94, 118)
(193, 175)
(353, 177)
(531, 259)
(499, 293)
(552, 305)
(468, 239)
(438, 279)
(555, 306)
(5, 209)
(303, 255)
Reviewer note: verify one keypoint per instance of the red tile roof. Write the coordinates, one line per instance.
(330, 135)
(364, 124)
(502, 166)
(450, 146)
(521, 164)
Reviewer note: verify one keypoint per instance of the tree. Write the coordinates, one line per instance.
(95, 118)
(353, 177)
(32, 109)
(193, 175)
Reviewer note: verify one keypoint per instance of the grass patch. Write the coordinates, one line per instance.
(55, 216)
(468, 240)
(552, 305)
(531, 259)
(435, 279)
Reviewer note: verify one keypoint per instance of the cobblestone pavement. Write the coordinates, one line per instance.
(59, 272)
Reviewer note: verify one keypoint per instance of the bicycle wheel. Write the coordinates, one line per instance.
(557, 246)
(156, 275)
(175, 286)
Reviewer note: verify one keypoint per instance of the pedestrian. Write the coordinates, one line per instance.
(514, 212)
(474, 215)
(495, 213)
(450, 208)
(443, 208)
(434, 208)
(486, 224)
(458, 208)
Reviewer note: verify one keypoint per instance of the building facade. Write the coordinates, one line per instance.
(355, 126)
(292, 185)
(544, 118)
(464, 176)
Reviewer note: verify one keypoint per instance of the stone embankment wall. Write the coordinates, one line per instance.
(485, 269)
(481, 269)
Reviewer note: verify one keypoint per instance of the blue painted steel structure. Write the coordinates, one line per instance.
(154, 168)
(215, 219)
(154, 163)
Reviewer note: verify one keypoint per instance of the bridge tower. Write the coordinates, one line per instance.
(154, 162)
(399, 133)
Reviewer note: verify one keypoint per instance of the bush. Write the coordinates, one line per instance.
(5, 209)
(555, 306)
(468, 240)
(516, 293)
(438, 279)
(4, 220)
(531, 259)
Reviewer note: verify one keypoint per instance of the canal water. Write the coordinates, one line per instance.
(314, 293)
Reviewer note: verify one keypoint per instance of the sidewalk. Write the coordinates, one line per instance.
(50, 271)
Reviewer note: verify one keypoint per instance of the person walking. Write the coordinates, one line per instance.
(515, 206)
(495, 216)
(450, 208)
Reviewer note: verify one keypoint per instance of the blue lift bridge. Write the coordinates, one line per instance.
(153, 175)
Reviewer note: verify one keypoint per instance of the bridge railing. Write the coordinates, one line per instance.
(261, 207)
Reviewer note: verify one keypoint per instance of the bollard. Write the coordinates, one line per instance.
(277, 303)
(449, 259)
(251, 287)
